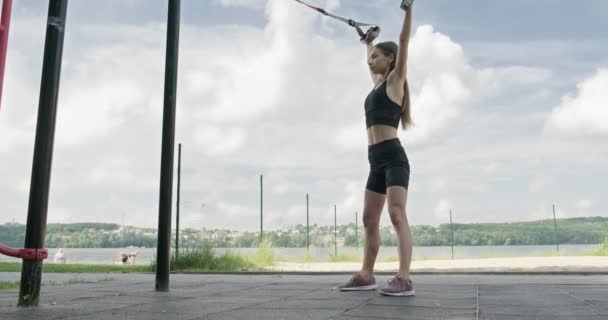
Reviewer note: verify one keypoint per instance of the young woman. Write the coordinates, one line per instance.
(387, 105)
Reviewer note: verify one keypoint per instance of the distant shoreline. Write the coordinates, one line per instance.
(581, 230)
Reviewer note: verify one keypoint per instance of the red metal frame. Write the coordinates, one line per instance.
(26, 254)
(4, 29)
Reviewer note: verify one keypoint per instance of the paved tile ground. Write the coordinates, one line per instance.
(132, 296)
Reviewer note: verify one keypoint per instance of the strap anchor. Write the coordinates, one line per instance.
(25, 254)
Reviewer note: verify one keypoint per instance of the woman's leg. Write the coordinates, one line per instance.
(373, 204)
(397, 199)
(372, 209)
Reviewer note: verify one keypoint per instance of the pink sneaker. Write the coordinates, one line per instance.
(398, 287)
(358, 283)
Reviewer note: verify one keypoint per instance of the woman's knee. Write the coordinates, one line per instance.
(371, 222)
(397, 215)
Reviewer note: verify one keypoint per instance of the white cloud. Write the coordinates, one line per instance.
(562, 214)
(331, 5)
(491, 168)
(61, 215)
(442, 209)
(538, 183)
(493, 80)
(119, 172)
(443, 82)
(219, 141)
(23, 185)
(584, 204)
(439, 184)
(350, 137)
(544, 211)
(19, 100)
(90, 112)
(438, 73)
(226, 214)
(254, 4)
(353, 199)
(585, 113)
(11, 136)
(279, 184)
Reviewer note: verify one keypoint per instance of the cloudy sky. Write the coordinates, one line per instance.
(510, 104)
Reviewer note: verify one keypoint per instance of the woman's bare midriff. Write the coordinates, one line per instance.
(379, 133)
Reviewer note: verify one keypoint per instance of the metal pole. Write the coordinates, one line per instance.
(261, 208)
(555, 226)
(31, 271)
(335, 232)
(168, 148)
(4, 29)
(307, 227)
(179, 175)
(452, 234)
(356, 229)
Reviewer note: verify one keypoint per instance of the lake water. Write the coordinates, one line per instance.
(145, 255)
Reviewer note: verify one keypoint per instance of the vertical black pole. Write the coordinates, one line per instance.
(168, 146)
(356, 229)
(261, 208)
(555, 225)
(451, 235)
(179, 175)
(307, 227)
(335, 232)
(31, 271)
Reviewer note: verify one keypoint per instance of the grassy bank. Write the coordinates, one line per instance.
(5, 285)
(204, 258)
(601, 250)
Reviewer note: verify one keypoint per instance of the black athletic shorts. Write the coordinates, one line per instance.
(389, 166)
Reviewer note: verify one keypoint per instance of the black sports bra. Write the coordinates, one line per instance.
(380, 109)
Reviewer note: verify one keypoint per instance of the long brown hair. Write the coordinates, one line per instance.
(390, 48)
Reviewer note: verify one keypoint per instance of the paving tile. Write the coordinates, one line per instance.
(275, 314)
(412, 312)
